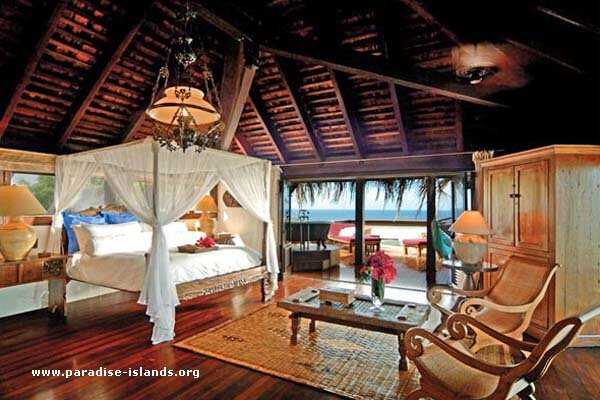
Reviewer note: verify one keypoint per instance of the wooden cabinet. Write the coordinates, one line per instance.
(51, 269)
(543, 204)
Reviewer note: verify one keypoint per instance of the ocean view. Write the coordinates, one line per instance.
(378, 215)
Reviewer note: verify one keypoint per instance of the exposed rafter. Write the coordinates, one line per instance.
(269, 127)
(398, 114)
(31, 64)
(353, 63)
(102, 70)
(418, 8)
(243, 144)
(568, 19)
(349, 117)
(235, 87)
(291, 83)
(135, 122)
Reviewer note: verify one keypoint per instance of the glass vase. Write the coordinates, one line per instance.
(377, 294)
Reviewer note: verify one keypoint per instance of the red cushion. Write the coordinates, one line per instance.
(414, 242)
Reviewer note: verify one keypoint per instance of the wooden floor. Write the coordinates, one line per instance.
(112, 332)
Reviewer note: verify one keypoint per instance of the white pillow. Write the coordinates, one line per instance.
(347, 232)
(105, 245)
(175, 239)
(126, 228)
(236, 240)
(174, 227)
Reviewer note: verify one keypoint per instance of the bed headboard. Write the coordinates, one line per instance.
(91, 211)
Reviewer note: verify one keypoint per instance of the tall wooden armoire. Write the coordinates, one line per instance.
(545, 204)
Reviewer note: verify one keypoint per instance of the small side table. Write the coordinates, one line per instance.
(33, 269)
(469, 270)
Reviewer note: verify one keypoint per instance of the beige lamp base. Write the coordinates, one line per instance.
(16, 239)
(207, 224)
(470, 249)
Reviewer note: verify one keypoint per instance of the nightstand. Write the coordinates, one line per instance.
(51, 269)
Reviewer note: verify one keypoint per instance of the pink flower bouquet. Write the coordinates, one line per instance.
(206, 242)
(379, 266)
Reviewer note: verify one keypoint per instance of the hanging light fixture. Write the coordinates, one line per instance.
(185, 116)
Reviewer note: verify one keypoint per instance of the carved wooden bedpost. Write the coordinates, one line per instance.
(266, 285)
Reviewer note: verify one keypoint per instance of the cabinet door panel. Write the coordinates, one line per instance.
(499, 204)
(532, 209)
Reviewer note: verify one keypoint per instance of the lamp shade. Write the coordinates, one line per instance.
(18, 201)
(207, 204)
(472, 223)
(184, 101)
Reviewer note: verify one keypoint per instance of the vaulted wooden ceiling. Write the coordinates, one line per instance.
(307, 80)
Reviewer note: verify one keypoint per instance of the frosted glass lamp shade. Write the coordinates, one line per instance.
(471, 222)
(207, 204)
(17, 201)
(183, 101)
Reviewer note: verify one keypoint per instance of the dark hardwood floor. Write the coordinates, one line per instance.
(112, 331)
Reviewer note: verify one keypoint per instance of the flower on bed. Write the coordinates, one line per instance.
(379, 266)
(206, 242)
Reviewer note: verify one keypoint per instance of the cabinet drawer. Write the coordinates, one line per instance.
(30, 273)
(9, 275)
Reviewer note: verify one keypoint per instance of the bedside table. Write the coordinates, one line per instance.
(51, 269)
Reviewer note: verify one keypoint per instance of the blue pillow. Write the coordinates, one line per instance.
(119, 218)
(70, 219)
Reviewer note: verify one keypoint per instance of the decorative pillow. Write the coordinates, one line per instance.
(180, 238)
(175, 227)
(105, 245)
(70, 219)
(119, 218)
(237, 241)
(347, 232)
(124, 229)
(83, 239)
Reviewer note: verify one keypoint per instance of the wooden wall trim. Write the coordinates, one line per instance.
(27, 161)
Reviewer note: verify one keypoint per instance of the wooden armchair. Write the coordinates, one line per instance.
(508, 305)
(449, 371)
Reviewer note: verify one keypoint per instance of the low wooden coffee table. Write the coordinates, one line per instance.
(396, 319)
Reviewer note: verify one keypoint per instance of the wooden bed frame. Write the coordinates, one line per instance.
(200, 287)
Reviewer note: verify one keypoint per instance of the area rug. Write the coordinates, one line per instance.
(345, 361)
(349, 362)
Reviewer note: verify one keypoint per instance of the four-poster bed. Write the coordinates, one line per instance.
(158, 186)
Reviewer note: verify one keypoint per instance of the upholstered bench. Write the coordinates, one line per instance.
(418, 244)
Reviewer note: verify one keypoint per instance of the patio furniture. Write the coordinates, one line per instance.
(418, 244)
(345, 233)
(396, 319)
(508, 305)
(449, 371)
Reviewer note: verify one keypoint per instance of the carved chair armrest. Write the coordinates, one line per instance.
(443, 310)
(469, 306)
(434, 293)
(413, 343)
(457, 327)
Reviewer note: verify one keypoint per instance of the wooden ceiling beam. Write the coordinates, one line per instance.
(241, 143)
(32, 63)
(235, 88)
(345, 61)
(135, 122)
(291, 82)
(568, 19)
(418, 8)
(398, 114)
(342, 93)
(383, 167)
(268, 126)
(120, 41)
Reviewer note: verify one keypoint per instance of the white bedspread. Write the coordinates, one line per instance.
(126, 271)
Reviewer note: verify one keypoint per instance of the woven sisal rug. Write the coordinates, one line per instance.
(345, 361)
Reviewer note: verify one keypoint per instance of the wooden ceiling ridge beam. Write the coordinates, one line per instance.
(103, 68)
(238, 74)
(267, 124)
(291, 82)
(349, 61)
(398, 114)
(32, 63)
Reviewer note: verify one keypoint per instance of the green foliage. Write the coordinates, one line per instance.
(42, 189)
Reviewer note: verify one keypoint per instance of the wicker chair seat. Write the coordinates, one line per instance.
(501, 321)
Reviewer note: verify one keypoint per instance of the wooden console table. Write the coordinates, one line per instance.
(51, 269)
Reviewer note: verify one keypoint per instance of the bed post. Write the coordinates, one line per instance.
(266, 286)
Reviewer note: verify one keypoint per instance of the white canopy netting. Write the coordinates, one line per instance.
(158, 186)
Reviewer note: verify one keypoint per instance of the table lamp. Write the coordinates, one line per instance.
(16, 237)
(207, 205)
(470, 243)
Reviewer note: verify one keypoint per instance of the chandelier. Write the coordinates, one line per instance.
(184, 116)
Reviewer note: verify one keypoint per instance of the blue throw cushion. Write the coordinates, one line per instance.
(70, 219)
(119, 218)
